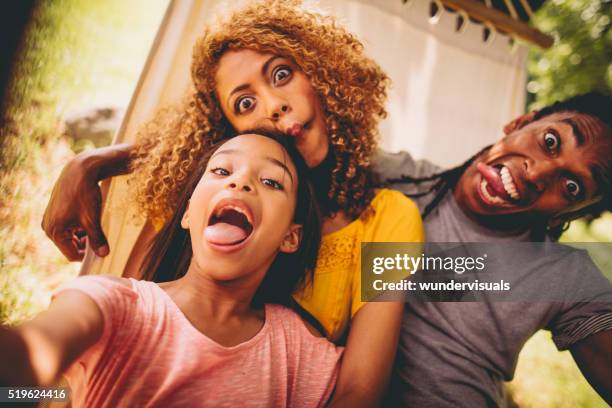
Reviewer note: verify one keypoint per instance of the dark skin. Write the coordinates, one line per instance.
(551, 162)
(545, 176)
(594, 358)
(72, 217)
(542, 177)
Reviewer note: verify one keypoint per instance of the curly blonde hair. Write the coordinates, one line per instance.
(352, 89)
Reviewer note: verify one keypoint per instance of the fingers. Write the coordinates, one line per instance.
(91, 216)
(79, 240)
(95, 236)
(62, 238)
(67, 246)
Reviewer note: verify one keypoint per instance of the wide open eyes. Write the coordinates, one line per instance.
(244, 104)
(573, 188)
(281, 74)
(551, 141)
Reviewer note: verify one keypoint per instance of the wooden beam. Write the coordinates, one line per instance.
(480, 12)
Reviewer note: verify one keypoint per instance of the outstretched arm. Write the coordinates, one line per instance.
(594, 358)
(369, 354)
(73, 211)
(37, 352)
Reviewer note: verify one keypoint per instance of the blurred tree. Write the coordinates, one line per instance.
(581, 58)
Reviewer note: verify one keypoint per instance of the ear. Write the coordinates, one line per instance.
(185, 219)
(519, 122)
(291, 241)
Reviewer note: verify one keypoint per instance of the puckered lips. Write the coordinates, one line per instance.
(297, 130)
(498, 186)
(229, 225)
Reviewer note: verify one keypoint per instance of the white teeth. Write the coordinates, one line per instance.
(485, 192)
(508, 183)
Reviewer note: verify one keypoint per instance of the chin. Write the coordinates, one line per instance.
(226, 276)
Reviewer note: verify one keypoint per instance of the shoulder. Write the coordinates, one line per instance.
(398, 164)
(106, 291)
(395, 218)
(391, 204)
(116, 280)
(106, 281)
(392, 199)
(291, 322)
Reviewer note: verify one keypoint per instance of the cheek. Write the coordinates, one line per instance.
(303, 91)
(254, 119)
(198, 204)
(551, 203)
(279, 212)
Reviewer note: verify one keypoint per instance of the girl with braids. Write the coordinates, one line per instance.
(274, 66)
(551, 167)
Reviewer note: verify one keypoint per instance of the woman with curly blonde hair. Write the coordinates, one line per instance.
(275, 66)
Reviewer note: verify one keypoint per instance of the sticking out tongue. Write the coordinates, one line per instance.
(223, 233)
(495, 185)
(228, 227)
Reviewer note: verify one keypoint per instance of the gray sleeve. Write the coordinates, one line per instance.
(388, 166)
(590, 311)
(394, 165)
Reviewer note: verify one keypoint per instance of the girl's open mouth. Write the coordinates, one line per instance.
(229, 226)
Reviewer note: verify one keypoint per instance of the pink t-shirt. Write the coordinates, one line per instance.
(150, 355)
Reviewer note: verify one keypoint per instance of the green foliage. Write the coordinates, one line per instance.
(581, 58)
(75, 55)
(546, 377)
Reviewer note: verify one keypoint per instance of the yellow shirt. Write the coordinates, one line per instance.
(335, 294)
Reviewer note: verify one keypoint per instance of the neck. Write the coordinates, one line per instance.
(220, 301)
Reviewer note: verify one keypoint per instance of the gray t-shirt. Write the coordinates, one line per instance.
(459, 354)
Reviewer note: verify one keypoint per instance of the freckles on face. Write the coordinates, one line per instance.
(268, 91)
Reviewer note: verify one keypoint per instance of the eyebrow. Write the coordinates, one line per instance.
(266, 65)
(267, 158)
(238, 89)
(577, 133)
(264, 69)
(281, 164)
(599, 177)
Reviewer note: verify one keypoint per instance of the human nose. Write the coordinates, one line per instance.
(240, 182)
(538, 173)
(277, 107)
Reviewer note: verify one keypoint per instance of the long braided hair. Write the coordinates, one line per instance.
(447, 180)
(593, 103)
(443, 182)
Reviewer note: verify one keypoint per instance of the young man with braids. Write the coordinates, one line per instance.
(551, 167)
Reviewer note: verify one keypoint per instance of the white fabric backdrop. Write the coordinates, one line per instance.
(452, 93)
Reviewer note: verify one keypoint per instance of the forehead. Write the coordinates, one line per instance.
(258, 147)
(590, 135)
(237, 66)
(593, 129)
